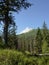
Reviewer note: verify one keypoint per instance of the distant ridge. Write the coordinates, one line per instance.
(27, 29)
(29, 34)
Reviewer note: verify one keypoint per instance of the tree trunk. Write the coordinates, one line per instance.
(6, 29)
(6, 34)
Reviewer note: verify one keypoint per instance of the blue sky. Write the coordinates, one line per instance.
(34, 16)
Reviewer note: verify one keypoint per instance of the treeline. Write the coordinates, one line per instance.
(36, 44)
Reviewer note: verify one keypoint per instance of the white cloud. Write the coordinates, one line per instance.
(27, 29)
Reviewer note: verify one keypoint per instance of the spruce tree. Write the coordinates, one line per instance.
(38, 43)
(45, 32)
(6, 8)
(12, 37)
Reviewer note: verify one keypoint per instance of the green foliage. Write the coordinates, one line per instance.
(12, 37)
(1, 43)
(10, 57)
(6, 9)
(26, 41)
(45, 33)
(44, 47)
(34, 40)
(44, 60)
(38, 41)
(13, 57)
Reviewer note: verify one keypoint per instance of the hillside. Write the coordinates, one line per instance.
(25, 40)
(31, 33)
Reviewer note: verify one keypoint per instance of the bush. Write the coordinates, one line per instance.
(13, 57)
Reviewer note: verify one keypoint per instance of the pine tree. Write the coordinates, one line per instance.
(46, 35)
(45, 30)
(12, 37)
(6, 8)
(38, 43)
(44, 47)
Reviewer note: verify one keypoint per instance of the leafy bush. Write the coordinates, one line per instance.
(13, 57)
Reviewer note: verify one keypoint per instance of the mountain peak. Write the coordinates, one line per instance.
(27, 29)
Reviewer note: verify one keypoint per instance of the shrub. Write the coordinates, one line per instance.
(13, 57)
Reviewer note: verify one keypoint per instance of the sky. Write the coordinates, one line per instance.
(34, 16)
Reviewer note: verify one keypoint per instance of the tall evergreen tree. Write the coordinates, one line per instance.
(46, 34)
(44, 46)
(12, 37)
(6, 8)
(38, 42)
(45, 30)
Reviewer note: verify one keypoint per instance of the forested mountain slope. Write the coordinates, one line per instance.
(34, 41)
